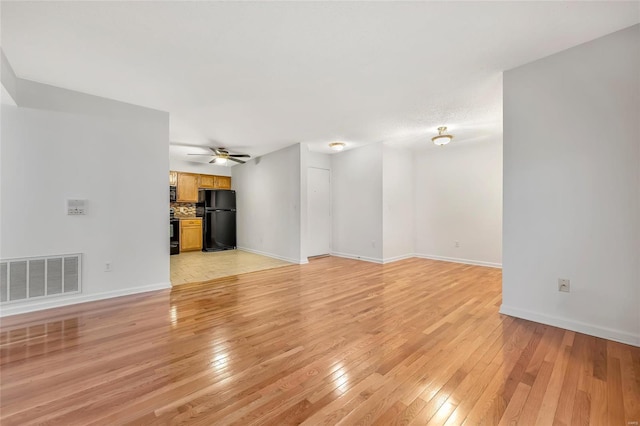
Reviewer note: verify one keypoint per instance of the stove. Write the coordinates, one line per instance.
(174, 233)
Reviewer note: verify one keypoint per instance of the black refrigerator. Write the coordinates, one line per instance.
(217, 207)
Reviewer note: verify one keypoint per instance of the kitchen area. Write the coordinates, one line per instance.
(191, 197)
(202, 230)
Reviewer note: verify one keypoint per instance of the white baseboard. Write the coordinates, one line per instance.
(421, 256)
(302, 261)
(457, 260)
(397, 258)
(57, 302)
(568, 324)
(356, 257)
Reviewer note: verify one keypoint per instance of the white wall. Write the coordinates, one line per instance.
(118, 161)
(391, 203)
(397, 203)
(356, 188)
(304, 157)
(319, 160)
(181, 165)
(458, 197)
(9, 80)
(268, 204)
(572, 188)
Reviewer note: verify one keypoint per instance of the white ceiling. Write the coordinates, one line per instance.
(256, 77)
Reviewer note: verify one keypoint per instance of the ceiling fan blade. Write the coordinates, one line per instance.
(208, 155)
(236, 160)
(214, 160)
(240, 155)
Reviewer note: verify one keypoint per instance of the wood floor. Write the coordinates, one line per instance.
(198, 266)
(335, 341)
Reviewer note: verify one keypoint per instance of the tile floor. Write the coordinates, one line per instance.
(198, 266)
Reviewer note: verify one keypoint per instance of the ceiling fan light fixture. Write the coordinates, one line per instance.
(337, 146)
(222, 156)
(442, 139)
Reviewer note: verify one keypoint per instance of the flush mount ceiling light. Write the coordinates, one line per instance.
(442, 139)
(337, 146)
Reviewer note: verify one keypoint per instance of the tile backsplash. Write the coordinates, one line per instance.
(184, 209)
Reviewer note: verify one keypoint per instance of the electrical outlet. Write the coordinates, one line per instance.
(564, 285)
(108, 267)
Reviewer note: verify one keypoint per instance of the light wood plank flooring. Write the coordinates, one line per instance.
(199, 266)
(335, 341)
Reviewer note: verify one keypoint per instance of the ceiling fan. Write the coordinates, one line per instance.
(221, 156)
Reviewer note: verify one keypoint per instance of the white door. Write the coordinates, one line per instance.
(319, 212)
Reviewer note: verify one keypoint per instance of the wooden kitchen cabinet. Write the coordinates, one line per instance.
(207, 181)
(222, 182)
(187, 188)
(190, 234)
(187, 184)
(215, 182)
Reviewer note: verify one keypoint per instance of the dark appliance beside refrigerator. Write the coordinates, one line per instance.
(174, 233)
(217, 208)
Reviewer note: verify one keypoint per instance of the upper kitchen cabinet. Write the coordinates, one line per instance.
(187, 184)
(187, 188)
(222, 182)
(207, 181)
(215, 182)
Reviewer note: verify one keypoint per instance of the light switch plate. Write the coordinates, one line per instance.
(76, 207)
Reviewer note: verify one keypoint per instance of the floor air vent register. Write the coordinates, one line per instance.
(39, 277)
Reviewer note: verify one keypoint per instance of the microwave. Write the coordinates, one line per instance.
(172, 194)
